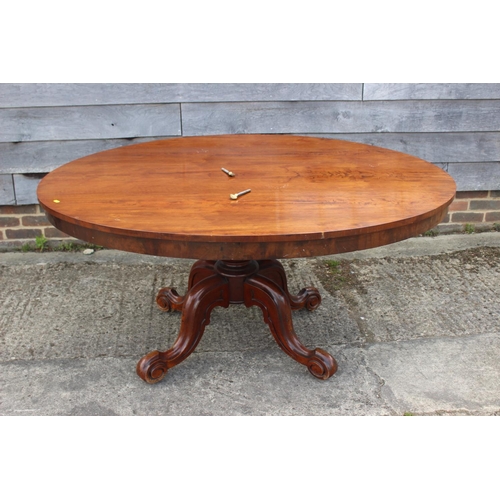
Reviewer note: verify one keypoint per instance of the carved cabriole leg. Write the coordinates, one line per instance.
(202, 297)
(221, 283)
(261, 291)
(308, 297)
(168, 299)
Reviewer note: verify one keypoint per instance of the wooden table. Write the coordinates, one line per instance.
(309, 197)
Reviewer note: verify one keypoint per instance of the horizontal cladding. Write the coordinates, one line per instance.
(7, 196)
(78, 94)
(457, 147)
(43, 126)
(404, 91)
(475, 176)
(14, 95)
(45, 156)
(89, 122)
(340, 117)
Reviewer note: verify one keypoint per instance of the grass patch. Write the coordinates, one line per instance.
(336, 275)
(333, 265)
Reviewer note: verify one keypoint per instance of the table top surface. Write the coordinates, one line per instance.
(172, 194)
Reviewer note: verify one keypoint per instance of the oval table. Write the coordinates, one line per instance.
(308, 197)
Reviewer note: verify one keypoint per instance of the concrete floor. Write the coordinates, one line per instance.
(416, 330)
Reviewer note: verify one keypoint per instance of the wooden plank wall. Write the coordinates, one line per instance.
(42, 126)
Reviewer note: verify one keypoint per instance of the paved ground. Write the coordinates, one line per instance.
(414, 326)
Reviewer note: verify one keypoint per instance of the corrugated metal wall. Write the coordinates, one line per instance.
(42, 126)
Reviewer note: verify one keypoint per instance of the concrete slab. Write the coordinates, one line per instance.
(446, 295)
(252, 382)
(446, 376)
(416, 331)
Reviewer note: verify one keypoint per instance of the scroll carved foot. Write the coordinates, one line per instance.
(198, 303)
(152, 368)
(265, 293)
(321, 364)
(168, 299)
(308, 297)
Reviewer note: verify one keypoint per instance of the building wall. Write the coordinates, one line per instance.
(42, 126)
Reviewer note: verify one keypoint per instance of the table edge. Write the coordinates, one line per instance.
(248, 247)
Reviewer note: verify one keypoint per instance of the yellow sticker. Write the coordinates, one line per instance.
(56, 201)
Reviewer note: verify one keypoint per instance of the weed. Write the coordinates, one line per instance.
(432, 233)
(67, 247)
(469, 228)
(408, 414)
(71, 246)
(333, 265)
(41, 243)
(336, 275)
(496, 226)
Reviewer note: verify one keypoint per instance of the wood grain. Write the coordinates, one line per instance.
(475, 176)
(20, 95)
(444, 150)
(89, 122)
(253, 283)
(405, 91)
(7, 190)
(44, 156)
(25, 187)
(457, 147)
(340, 117)
(309, 197)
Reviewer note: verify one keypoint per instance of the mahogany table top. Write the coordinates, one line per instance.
(309, 196)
